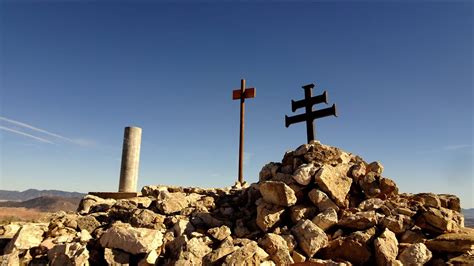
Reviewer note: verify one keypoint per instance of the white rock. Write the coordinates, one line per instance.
(304, 174)
(130, 239)
(415, 254)
(310, 237)
(334, 181)
(277, 193)
(386, 248)
(326, 219)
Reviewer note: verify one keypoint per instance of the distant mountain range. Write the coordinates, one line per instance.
(8, 195)
(45, 204)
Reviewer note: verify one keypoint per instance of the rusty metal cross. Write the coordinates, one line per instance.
(241, 95)
(309, 116)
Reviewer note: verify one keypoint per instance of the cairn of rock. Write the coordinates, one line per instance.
(320, 205)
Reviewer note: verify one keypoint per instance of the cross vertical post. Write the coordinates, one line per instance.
(242, 94)
(309, 109)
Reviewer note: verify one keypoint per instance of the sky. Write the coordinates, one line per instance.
(74, 74)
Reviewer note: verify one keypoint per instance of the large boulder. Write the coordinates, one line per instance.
(453, 242)
(309, 236)
(415, 254)
(334, 181)
(304, 173)
(130, 239)
(386, 248)
(278, 193)
(277, 247)
(30, 235)
(268, 215)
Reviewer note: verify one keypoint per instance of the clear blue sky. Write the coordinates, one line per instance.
(400, 74)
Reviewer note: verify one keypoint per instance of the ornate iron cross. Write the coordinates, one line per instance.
(241, 95)
(309, 116)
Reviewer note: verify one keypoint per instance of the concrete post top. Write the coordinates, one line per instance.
(133, 128)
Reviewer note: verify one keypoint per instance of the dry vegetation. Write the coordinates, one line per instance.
(8, 215)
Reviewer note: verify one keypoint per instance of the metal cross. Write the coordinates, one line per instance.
(309, 116)
(241, 95)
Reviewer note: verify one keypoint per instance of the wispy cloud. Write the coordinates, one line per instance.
(81, 142)
(457, 147)
(25, 134)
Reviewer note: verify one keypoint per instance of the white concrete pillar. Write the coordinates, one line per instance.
(130, 159)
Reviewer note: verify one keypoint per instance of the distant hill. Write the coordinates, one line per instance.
(468, 217)
(7, 195)
(45, 204)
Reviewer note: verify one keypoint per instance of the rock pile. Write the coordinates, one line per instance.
(319, 205)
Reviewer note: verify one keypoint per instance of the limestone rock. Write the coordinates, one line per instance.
(359, 220)
(415, 254)
(334, 182)
(183, 227)
(219, 233)
(9, 230)
(348, 249)
(30, 235)
(452, 242)
(116, 257)
(321, 200)
(397, 223)
(277, 248)
(130, 239)
(268, 215)
(438, 220)
(299, 212)
(310, 237)
(326, 219)
(304, 174)
(172, 202)
(248, 254)
(68, 254)
(87, 223)
(375, 167)
(268, 171)
(386, 248)
(277, 193)
(93, 202)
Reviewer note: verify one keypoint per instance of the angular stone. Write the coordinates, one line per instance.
(326, 219)
(348, 249)
(183, 227)
(321, 200)
(412, 236)
(440, 220)
(371, 204)
(93, 202)
(277, 193)
(219, 233)
(88, 223)
(172, 202)
(415, 254)
(248, 254)
(268, 215)
(9, 230)
(359, 220)
(428, 199)
(116, 257)
(147, 219)
(309, 236)
(130, 239)
(452, 242)
(464, 259)
(68, 254)
(269, 171)
(304, 174)
(451, 202)
(334, 181)
(375, 167)
(386, 248)
(398, 223)
(277, 248)
(30, 235)
(299, 212)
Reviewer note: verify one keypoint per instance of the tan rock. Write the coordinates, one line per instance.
(321, 200)
(269, 171)
(277, 193)
(320, 262)
(452, 242)
(116, 257)
(415, 254)
(183, 227)
(219, 233)
(9, 230)
(429, 199)
(172, 202)
(93, 202)
(30, 235)
(451, 202)
(299, 212)
(386, 248)
(130, 239)
(359, 220)
(397, 223)
(297, 257)
(348, 249)
(412, 236)
(440, 220)
(268, 215)
(309, 236)
(375, 167)
(334, 182)
(248, 254)
(68, 254)
(326, 219)
(304, 174)
(464, 259)
(277, 248)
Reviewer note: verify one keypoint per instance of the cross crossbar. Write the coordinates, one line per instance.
(309, 116)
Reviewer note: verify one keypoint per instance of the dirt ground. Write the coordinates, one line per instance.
(8, 215)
